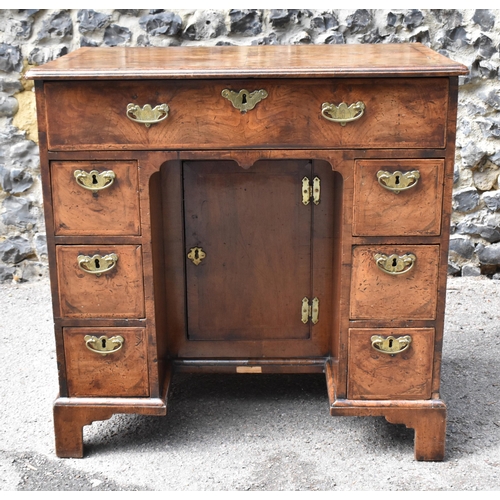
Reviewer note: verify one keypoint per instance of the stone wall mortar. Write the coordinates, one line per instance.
(472, 37)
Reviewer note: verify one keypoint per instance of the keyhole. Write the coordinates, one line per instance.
(394, 262)
(94, 179)
(397, 179)
(390, 343)
(243, 99)
(103, 343)
(97, 265)
(196, 254)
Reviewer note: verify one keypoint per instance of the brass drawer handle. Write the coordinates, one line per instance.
(147, 114)
(343, 113)
(244, 100)
(97, 264)
(390, 345)
(395, 264)
(103, 345)
(94, 180)
(398, 181)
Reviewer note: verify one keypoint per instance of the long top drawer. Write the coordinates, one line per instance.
(194, 114)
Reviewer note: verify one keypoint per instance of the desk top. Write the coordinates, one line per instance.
(269, 61)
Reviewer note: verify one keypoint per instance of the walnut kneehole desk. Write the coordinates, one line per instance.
(262, 209)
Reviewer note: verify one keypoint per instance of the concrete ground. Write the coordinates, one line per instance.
(250, 432)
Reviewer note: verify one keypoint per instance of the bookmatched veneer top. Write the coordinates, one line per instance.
(271, 61)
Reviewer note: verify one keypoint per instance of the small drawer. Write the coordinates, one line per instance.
(406, 288)
(122, 371)
(95, 198)
(379, 375)
(395, 113)
(398, 197)
(100, 281)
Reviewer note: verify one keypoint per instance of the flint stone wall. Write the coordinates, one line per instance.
(32, 37)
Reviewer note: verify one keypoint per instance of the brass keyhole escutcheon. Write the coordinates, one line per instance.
(104, 345)
(398, 181)
(395, 264)
(94, 180)
(390, 345)
(196, 255)
(96, 264)
(244, 100)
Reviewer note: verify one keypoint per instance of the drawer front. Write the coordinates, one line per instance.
(116, 292)
(378, 375)
(95, 198)
(398, 113)
(122, 372)
(398, 197)
(410, 294)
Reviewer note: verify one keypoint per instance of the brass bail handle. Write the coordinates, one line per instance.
(97, 264)
(342, 113)
(103, 345)
(147, 115)
(398, 181)
(395, 264)
(390, 345)
(94, 180)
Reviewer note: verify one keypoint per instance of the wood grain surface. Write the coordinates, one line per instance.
(250, 61)
(375, 375)
(118, 293)
(111, 211)
(378, 295)
(400, 113)
(257, 237)
(415, 212)
(119, 374)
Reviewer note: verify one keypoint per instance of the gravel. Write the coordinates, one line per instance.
(250, 432)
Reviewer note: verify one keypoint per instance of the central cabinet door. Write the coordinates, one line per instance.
(248, 245)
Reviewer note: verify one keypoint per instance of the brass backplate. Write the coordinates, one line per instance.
(343, 113)
(390, 345)
(398, 181)
(147, 115)
(244, 100)
(395, 264)
(96, 264)
(94, 180)
(103, 345)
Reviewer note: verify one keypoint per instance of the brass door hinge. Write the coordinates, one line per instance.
(310, 310)
(309, 191)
